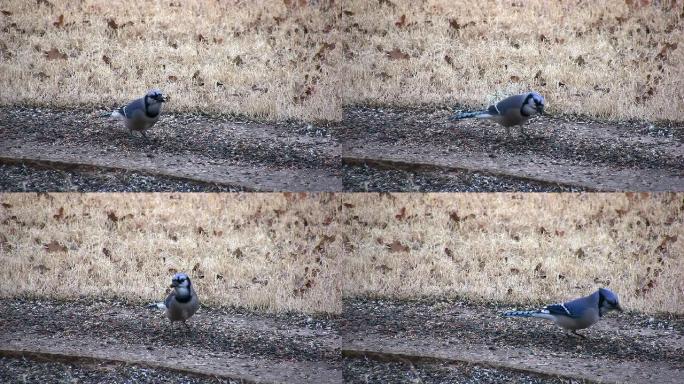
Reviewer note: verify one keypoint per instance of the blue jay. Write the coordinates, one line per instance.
(511, 111)
(576, 314)
(182, 302)
(142, 113)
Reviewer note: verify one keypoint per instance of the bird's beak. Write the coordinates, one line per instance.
(174, 284)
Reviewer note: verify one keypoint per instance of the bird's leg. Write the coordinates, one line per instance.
(142, 132)
(579, 334)
(522, 130)
(574, 333)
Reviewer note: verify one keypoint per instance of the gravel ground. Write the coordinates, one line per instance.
(238, 333)
(625, 143)
(368, 371)
(456, 322)
(298, 146)
(368, 179)
(197, 141)
(211, 329)
(23, 178)
(599, 147)
(279, 144)
(19, 370)
(449, 324)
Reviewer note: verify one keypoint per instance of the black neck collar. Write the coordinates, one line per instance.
(522, 109)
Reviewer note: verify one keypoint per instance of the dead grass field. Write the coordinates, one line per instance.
(296, 59)
(271, 252)
(518, 248)
(279, 252)
(606, 59)
(259, 58)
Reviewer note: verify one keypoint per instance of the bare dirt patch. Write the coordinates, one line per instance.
(231, 152)
(226, 342)
(571, 152)
(21, 369)
(423, 336)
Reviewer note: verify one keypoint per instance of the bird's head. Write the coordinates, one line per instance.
(180, 280)
(157, 95)
(534, 103)
(608, 301)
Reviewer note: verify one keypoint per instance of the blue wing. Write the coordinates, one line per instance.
(572, 309)
(169, 299)
(134, 108)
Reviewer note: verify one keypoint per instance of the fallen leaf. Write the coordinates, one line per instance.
(173, 78)
(4, 243)
(238, 253)
(515, 78)
(54, 246)
(55, 54)
(107, 252)
(397, 54)
(453, 23)
(59, 22)
(448, 59)
(112, 216)
(59, 215)
(200, 37)
(112, 24)
(41, 268)
(7, 13)
(106, 59)
(401, 215)
(664, 51)
(580, 60)
(383, 268)
(401, 21)
(397, 246)
(238, 61)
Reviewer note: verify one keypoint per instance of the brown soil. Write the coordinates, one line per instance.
(566, 151)
(429, 333)
(372, 149)
(224, 343)
(224, 151)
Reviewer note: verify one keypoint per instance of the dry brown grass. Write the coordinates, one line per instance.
(605, 59)
(605, 53)
(262, 52)
(269, 252)
(519, 248)
(305, 253)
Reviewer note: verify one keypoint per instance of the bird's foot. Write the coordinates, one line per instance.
(577, 335)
